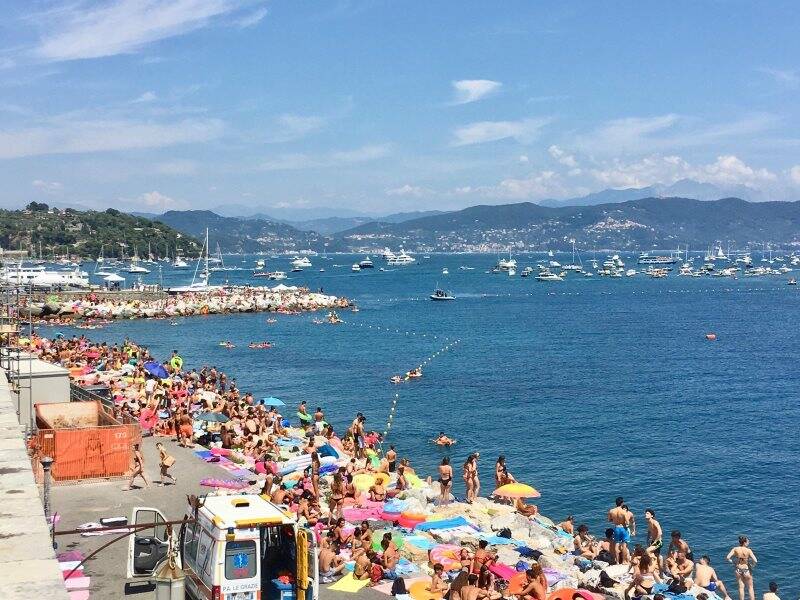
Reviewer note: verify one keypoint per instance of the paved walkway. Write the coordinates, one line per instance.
(28, 568)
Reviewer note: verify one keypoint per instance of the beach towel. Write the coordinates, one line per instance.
(503, 571)
(442, 524)
(349, 584)
(79, 595)
(419, 541)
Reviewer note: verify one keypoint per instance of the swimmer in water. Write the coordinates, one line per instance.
(443, 440)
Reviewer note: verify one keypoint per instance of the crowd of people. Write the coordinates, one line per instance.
(181, 404)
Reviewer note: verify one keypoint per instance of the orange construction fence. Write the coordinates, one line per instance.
(88, 451)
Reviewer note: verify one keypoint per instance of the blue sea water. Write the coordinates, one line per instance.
(592, 388)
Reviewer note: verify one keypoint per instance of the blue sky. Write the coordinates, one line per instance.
(378, 106)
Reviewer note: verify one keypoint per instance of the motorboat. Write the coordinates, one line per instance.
(402, 259)
(388, 255)
(526, 271)
(135, 267)
(301, 262)
(366, 263)
(547, 275)
(630, 272)
(355, 268)
(276, 275)
(506, 264)
(792, 281)
(260, 263)
(445, 271)
(465, 268)
(179, 263)
(511, 272)
(440, 295)
(296, 269)
(649, 259)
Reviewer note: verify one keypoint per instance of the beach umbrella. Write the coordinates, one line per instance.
(516, 490)
(272, 401)
(212, 417)
(156, 369)
(114, 278)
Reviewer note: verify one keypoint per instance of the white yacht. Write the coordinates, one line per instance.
(445, 271)
(546, 275)
(37, 276)
(135, 267)
(388, 255)
(355, 268)
(301, 262)
(179, 263)
(276, 275)
(506, 264)
(366, 263)
(402, 259)
(260, 263)
(511, 272)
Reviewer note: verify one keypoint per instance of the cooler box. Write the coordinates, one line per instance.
(280, 591)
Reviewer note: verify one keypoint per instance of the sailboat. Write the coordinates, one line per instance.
(99, 267)
(135, 267)
(219, 264)
(199, 283)
(573, 266)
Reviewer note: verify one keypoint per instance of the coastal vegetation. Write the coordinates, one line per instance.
(47, 232)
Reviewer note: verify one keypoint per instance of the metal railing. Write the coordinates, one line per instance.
(79, 394)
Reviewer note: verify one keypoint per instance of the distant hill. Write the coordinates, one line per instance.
(685, 188)
(333, 225)
(235, 234)
(84, 233)
(633, 224)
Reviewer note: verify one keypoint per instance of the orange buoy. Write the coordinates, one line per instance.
(711, 336)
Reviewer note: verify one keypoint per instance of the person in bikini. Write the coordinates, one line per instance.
(445, 480)
(741, 558)
(482, 557)
(645, 576)
(706, 577)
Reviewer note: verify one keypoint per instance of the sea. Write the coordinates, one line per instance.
(592, 388)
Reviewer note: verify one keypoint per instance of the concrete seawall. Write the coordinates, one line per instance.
(28, 567)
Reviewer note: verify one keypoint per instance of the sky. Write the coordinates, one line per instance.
(375, 107)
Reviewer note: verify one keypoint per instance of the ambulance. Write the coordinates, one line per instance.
(237, 547)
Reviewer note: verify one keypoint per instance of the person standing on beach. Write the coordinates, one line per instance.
(165, 461)
(622, 535)
(445, 481)
(740, 557)
(391, 458)
(468, 478)
(319, 417)
(138, 468)
(654, 534)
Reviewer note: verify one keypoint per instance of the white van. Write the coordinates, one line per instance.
(239, 547)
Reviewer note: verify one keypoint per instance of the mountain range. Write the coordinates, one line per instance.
(630, 225)
(639, 224)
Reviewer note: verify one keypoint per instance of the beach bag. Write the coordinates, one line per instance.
(169, 461)
(505, 532)
(399, 587)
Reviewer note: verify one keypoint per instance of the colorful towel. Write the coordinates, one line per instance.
(349, 584)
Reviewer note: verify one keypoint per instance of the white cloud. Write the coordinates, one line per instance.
(794, 174)
(562, 157)
(145, 97)
(290, 127)
(160, 202)
(726, 170)
(253, 18)
(470, 90)
(667, 133)
(523, 158)
(77, 31)
(406, 190)
(523, 131)
(787, 77)
(64, 135)
(538, 186)
(48, 187)
(297, 161)
(7, 63)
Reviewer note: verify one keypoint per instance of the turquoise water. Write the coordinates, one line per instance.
(592, 388)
